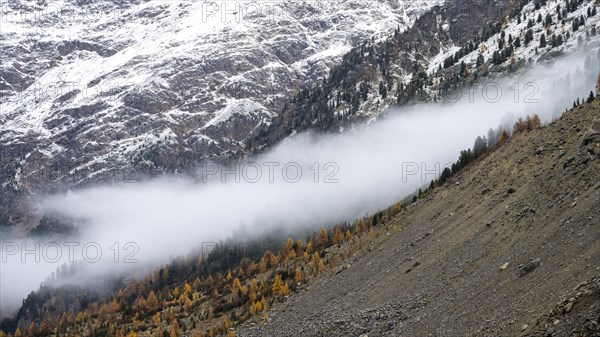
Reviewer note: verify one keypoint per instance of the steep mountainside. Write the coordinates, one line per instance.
(96, 90)
(486, 250)
(158, 87)
(451, 47)
(501, 249)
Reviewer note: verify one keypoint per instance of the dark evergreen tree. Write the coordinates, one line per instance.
(492, 138)
(548, 19)
(590, 97)
(480, 146)
(528, 36)
(480, 60)
(542, 40)
(496, 58)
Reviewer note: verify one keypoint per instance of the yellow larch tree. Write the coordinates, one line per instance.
(309, 248)
(348, 235)
(317, 263)
(300, 248)
(187, 289)
(174, 331)
(277, 286)
(287, 248)
(535, 122)
(197, 283)
(298, 275)
(188, 304)
(503, 137)
(237, 285)
(32, 330)
(114, 306)
(157, 320)
(338, 237)
(209, 281)
(215, 294)
(323, 238)
(151, 301)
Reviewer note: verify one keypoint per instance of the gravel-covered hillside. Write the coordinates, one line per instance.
(508, 247)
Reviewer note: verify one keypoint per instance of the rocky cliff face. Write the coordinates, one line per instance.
(93, 91)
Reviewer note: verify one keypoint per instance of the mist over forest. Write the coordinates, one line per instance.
(307, 181)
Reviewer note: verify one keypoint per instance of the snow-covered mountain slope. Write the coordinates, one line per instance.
(91, 87)
(449, 48)
(543, 19)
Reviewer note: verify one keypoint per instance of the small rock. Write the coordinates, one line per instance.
(524, 327)
(568, 162)
(568, 307)
(589, 137)
(539, 150)
(504, 266)
(528, 267)
(591, 325)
